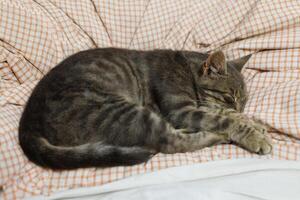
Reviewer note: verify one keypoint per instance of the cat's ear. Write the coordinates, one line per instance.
(215, 64)
(240, 62)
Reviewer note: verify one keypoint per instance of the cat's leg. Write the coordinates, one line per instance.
(242, 131)
(180, 141)
(123, 123)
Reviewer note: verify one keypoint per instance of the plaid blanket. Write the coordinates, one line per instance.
(36, 35)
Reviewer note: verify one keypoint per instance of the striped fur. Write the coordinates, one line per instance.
(110, 107)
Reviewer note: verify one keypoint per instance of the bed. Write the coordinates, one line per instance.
(237, 179)
(37, 34)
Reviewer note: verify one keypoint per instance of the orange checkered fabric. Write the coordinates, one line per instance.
(36, 35)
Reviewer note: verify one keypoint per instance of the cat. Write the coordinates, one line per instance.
(108, 107)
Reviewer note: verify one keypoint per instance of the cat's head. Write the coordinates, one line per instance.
(221, 81)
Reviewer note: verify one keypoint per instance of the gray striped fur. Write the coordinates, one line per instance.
(109, 107)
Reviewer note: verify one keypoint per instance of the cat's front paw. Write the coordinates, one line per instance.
(256, 141)
(259, 126)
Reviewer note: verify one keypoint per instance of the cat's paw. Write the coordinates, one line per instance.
(257, 141)
(259, 126)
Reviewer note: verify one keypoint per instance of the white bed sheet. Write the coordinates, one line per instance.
(241, 179)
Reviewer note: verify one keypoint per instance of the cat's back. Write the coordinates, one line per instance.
(106, 60)
(105, 69)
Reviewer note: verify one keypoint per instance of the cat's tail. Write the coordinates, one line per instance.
(97, 154)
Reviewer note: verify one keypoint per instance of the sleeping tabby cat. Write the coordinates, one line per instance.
(109, 107)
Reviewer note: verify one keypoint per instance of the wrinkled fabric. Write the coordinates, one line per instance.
(37, 35)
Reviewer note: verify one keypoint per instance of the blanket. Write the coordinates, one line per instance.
(35, 35)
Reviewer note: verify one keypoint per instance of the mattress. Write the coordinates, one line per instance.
(35, 35)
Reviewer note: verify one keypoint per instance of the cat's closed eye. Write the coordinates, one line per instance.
(229, 98)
